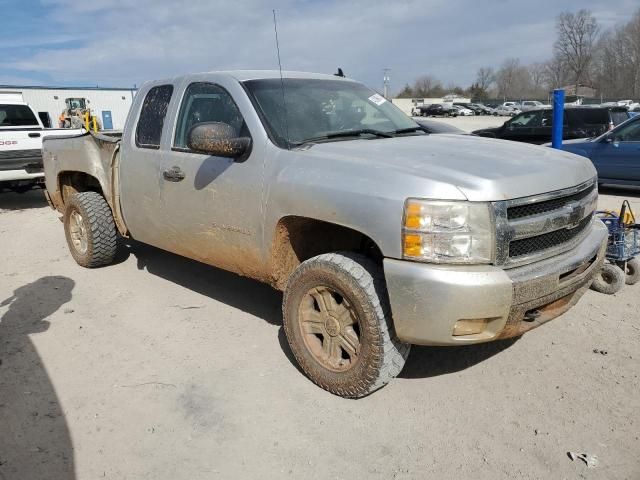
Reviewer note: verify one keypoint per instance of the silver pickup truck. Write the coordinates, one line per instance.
(380, 235)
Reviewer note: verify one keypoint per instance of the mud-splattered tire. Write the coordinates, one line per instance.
(341, 298)
(632, 271)
(609, 280)
(90, 229)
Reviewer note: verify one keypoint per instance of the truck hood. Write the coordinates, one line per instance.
(483, 169)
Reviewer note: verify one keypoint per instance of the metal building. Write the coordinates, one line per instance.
(110, 105)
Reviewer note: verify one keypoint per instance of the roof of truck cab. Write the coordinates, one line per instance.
(244, 75)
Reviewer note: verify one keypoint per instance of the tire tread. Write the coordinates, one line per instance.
(391, 354)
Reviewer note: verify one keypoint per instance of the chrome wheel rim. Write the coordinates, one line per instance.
(78, 232)
(330, 328)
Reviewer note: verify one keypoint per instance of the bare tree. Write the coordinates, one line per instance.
(428, 86)
(556, 74)
(485, 77)
(506, 77)
(537, 73)
(577, 35)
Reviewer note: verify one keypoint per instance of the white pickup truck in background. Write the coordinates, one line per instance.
(21, 134)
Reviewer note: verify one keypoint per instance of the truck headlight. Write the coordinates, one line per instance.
(448, 232)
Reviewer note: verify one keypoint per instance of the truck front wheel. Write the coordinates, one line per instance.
(90, 229)
(338, 324)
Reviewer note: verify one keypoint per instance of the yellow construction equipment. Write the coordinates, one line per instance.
(78, 115)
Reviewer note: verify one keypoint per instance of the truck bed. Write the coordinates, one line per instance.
(90, 153)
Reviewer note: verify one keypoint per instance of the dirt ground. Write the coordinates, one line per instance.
(161, 368)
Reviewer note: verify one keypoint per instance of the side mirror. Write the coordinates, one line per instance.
(217, 139)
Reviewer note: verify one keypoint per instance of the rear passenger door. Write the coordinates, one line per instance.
(139, 176)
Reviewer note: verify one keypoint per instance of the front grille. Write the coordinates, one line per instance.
(528, 210)
(527, 246)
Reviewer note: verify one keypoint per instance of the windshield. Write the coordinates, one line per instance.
(17, 116)
(317, 108)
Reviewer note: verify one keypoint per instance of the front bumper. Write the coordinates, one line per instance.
(427, 300)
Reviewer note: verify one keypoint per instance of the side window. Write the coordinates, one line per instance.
(151, 121)
(547, 118)
(527, 119)
(206, 102)
(629, 133)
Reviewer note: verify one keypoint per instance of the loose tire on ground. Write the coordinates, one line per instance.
(632, 271)
(338, 324)
(90, 229)
(609, 280)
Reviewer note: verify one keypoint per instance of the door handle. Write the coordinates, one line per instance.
(174, 174)
(34, 135)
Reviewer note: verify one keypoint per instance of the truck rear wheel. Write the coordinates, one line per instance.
(338, 324)
(609, 280)
(90, 229)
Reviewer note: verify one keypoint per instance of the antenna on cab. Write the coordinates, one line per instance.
(284, 102)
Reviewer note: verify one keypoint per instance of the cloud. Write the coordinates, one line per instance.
(122, 43)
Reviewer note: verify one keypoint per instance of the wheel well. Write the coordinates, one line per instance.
(300, 238)
(74, 182)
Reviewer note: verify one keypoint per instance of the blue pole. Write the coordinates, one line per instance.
(558, 118)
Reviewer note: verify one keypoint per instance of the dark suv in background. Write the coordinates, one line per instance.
(534, 126)
(435, 110)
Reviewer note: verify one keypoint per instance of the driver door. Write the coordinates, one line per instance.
(212, 204)
(521, 127)
(618, 156)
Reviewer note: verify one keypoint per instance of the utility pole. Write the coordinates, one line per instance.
(386, 80)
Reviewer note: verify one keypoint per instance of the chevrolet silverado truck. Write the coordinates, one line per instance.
(21, 134)
(379, 234)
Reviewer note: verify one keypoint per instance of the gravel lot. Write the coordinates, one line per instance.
(161, 368)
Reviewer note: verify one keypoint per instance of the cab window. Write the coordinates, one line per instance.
(547, 118)
(17, 116)
(527, 119)
(206, 102)
(152, 114)
(628, 133)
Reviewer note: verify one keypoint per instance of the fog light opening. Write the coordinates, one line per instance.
(470, 326)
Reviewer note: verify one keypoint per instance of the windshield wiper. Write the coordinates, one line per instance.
(348, 133)
(408, 130)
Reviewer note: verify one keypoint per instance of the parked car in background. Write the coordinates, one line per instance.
(527, 105)
(436, 110)
(21, 134)
(534, 126)
(469, 106)
(437, 126)
(507, 111)
(615, 154)
(630, 104)
(511, 105)
(484, 110)
(463, 111)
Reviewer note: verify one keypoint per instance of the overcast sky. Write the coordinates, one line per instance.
(125, 42)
